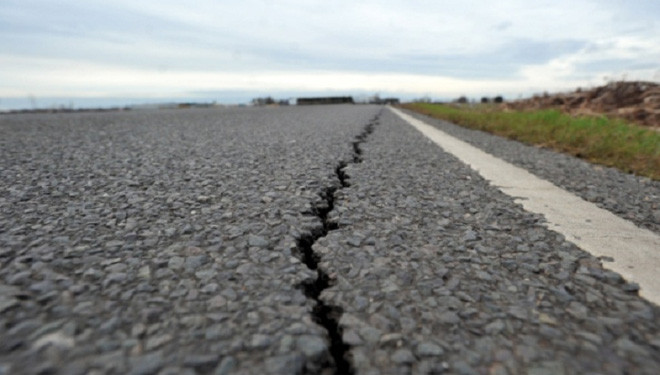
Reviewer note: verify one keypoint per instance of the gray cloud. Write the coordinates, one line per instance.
(559, 42)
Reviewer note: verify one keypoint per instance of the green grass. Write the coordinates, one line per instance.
(600, 140)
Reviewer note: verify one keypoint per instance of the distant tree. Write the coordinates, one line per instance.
(485, 99)
(263, 101)
(462, 100)
(498, 99)
(375, 99)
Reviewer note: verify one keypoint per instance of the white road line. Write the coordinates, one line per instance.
(636, 251)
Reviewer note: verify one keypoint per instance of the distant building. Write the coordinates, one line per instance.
(378, 100)
(326, 100)
(263, 101)
(390, 101)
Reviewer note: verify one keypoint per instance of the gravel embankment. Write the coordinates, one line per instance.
(164, 242)
(437, 271)
(631, 197)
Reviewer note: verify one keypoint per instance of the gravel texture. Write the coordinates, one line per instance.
(631, 197)
(436, 271)
(165, 242)
(315, 240)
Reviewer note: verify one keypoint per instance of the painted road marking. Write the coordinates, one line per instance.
(636, 251)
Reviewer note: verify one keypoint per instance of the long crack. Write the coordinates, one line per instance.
(323, 314)
(361, 138)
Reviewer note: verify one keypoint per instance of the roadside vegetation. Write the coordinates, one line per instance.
(601, 140)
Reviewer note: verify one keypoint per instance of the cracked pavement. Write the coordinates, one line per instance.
(321, 239)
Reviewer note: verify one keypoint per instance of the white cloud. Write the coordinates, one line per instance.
(447, 48)
(614, 58)
(64, 78)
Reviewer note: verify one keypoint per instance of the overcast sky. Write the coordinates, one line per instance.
(234, 49)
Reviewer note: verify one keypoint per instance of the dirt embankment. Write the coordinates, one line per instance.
(637, 102)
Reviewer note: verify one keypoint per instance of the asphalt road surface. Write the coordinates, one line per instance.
(299, 240)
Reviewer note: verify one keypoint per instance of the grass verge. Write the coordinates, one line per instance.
(600, 140)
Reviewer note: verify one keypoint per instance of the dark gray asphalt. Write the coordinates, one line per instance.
(437, 271)
(286, 240)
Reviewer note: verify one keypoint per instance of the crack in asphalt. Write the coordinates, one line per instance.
(361, 138)
(323, 314)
